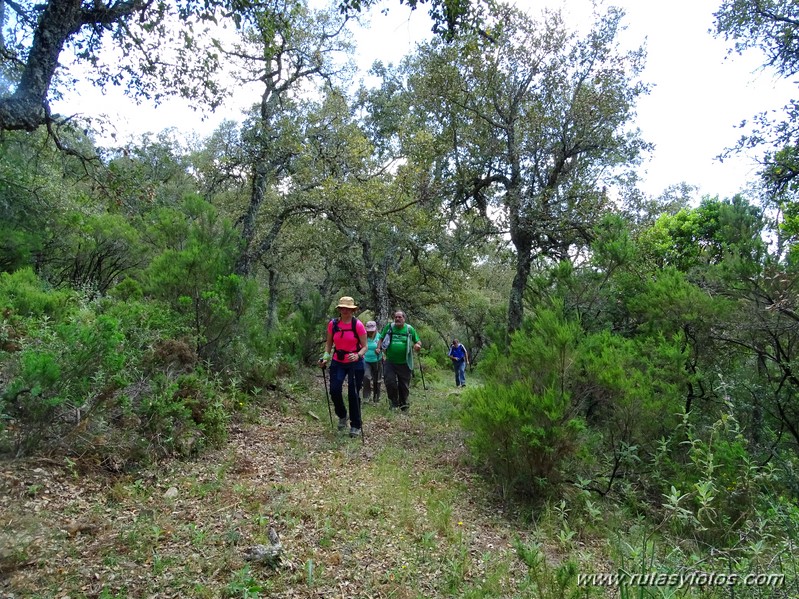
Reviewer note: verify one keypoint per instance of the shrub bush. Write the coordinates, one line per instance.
(552, 383)
(524, 423)
(522, 437)
(719, 484)
(26, 295)
(110, 380)
(193, 275)
(72, 367)
(183, 416)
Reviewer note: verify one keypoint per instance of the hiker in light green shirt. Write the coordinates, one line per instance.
(399, 340)
(374, 364)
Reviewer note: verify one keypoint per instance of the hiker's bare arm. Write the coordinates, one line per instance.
(328, 346)
(362, 351)
(329, 342)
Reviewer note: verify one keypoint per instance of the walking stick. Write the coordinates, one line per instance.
(385, 385)
(422, 371)
(329, 411)
(363, 436)
(351, 380)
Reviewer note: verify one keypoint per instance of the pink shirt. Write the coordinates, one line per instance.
(344, 339)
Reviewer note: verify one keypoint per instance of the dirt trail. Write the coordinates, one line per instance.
(400, 515)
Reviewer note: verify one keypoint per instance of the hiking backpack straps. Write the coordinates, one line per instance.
(390, 326)
(340, 353)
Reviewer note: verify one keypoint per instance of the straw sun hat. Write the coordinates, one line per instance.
(347, 302)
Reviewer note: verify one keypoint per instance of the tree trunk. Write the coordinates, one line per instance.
(271, 307)
(259, 182)
(26, 108)
(516, 302)
(378, 284)
(377, 278)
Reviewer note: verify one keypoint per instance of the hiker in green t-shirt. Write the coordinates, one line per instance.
(399, 340)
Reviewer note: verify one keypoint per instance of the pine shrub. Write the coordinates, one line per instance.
(523, 438)
(523, 422)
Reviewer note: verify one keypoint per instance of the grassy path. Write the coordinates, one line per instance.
(400, 516)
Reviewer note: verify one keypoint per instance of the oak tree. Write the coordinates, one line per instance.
(538, 122)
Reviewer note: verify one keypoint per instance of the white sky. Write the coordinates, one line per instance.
(699, 93)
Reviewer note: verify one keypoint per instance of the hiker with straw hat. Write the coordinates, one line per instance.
(344, 350)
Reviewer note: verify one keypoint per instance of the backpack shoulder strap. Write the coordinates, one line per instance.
(353, 328)
(354, 324)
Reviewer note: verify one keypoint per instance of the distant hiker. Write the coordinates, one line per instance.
(346, 339)
(374, 364)
(460, 358)
(399, 340)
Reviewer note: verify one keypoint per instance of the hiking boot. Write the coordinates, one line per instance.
(342, 423)
(355, 432)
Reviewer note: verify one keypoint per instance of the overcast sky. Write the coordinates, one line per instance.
(699, 93)
(698, 96)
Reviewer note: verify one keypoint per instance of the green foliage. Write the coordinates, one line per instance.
(545, 580)
(668, 303)
(127, 290)
(528, 422)
(763, 547)
(98, 251)
(25, 294)
(630, 389)
(75, 364)
(105, 378)
(711, 234)
(35, 193)
(523, 422)
(538, 95)
(153, 172)
(521, 437)
(613, 245)
(183, 416)
(193, 274)
(146, 322)
(18, 248)
(244, 584)
(302, 335)
(712, 485)
(542, 354)
(770, 25)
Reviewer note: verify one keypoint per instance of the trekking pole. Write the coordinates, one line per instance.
(329, 411)
(351, 380)
(385, 386)
(422, 371)
(363, 436)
